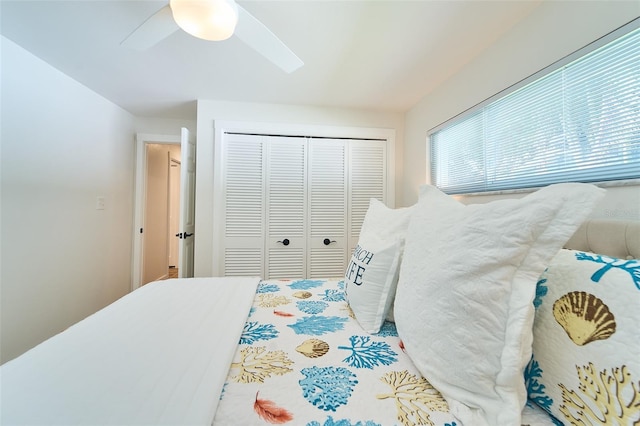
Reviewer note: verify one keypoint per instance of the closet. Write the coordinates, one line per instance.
(291, 206)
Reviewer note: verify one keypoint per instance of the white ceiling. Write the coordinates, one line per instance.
(374, 54)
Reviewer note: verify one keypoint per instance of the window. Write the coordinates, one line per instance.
(579, 122)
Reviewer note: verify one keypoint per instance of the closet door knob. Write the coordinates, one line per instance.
(327, 241)
(284, 242)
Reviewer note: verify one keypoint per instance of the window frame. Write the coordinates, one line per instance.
(623, 30)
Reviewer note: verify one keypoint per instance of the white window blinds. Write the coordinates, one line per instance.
(579, 123)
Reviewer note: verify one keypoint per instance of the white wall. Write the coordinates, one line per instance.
(62, 146)
(163, 126)
(209, 110)
(552, 31)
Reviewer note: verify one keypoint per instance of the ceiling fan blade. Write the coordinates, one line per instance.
(255, 34)
(157, 27)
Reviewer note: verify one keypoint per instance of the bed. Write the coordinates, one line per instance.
(245, 351)
(303, 359)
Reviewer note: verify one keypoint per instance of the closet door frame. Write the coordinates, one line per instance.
(222, 127)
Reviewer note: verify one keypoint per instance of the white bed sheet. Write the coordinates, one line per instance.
(159, 355)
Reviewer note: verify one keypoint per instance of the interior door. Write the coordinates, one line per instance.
(187, 203)
(328, 208)
(367, 179)
(174, 212)
(286, 222)
(242, 205)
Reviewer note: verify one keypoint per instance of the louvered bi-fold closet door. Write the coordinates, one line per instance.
(328, 208)
(244, 206)
(293, 207)
(367, 179)
(286, 199)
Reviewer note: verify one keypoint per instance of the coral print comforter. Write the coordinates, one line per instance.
(304, 360)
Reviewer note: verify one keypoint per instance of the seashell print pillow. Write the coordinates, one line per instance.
(585, 367)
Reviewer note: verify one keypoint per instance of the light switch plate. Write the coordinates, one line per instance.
(100, 203)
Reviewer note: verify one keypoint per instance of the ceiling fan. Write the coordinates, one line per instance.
(213, 20)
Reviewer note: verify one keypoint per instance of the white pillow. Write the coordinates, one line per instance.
(464, 300)
(372, 274)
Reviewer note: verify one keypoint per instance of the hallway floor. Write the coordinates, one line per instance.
(173, 272)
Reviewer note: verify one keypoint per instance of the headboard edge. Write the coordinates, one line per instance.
(616, 238)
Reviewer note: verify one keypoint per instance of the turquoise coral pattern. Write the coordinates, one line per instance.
(332, 295)
(327, 387)
(632, 266)
(267, 288)
(305, 284)
(253, 332)
(536, 390)
(310, 363)
(317, 325)
(312, 306)
(388, 329)
(343, 422)
(368, 354)
(541, 291)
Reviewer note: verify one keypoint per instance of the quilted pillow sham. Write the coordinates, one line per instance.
(464, 299)
(586, 345)
(372, 274)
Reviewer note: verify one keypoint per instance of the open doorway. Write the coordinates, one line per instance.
(161, 212)
(160, 201)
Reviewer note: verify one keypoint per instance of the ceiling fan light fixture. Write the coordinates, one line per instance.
(206, 19)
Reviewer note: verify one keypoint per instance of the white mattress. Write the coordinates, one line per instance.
(159, 355)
